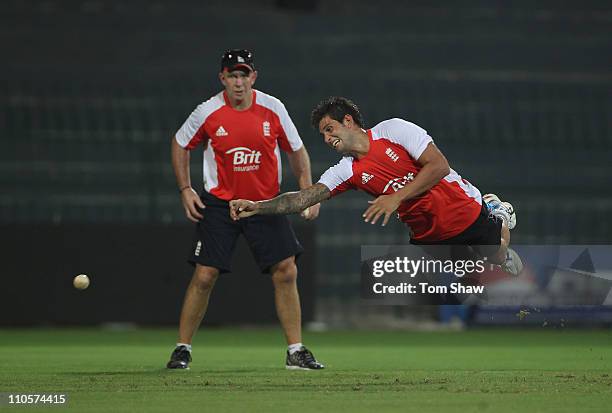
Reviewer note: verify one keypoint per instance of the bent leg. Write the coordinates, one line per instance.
(287, 299)
(500, 256)
(196, 301)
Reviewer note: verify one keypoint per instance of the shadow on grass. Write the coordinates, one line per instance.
(159, 372)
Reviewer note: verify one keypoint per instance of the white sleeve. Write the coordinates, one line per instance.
(289, 129)
(190, 127)
(412, 137)
(288, 137)
(337, 178)
(191, 133)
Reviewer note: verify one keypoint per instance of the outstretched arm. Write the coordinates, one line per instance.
(287, 203)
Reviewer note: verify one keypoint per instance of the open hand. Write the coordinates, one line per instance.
(383, 205)
(242, 208)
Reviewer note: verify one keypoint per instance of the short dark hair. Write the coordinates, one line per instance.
(335, 107)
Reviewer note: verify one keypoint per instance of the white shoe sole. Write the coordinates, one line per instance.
(515, 267)
(299, 368)
(512, 223)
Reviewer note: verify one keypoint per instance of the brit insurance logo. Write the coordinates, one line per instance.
(398, 183)
(245, 159)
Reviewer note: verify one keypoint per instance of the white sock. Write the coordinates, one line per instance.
(292, 348)
(188, 346)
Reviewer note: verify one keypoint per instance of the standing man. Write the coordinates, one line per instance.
(241, 130)
(398, 164)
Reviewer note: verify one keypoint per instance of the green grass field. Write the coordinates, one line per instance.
(234, 370)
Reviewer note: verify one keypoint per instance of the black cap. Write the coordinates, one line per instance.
(235, 59)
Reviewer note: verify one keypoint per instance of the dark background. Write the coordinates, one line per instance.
(516, 95)
(130, 283)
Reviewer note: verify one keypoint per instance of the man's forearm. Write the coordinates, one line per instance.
(294, 202)
(300, 165)
(427, 177)
(180, 164)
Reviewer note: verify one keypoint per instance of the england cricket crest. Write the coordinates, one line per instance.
(266, 128)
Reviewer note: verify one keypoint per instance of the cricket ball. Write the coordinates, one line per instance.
(81, 282)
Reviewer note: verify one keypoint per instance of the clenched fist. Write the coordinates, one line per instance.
(242, 208)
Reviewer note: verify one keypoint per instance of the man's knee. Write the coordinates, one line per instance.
(204, 278)
(285, 272)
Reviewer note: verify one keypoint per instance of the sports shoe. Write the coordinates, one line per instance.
(302, 359)
(513, 264)
(500, 209)
(180, 358)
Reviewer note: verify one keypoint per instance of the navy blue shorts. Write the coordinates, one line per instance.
(484, 235)
(270, 237)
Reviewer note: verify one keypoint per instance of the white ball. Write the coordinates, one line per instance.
(81, 282)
